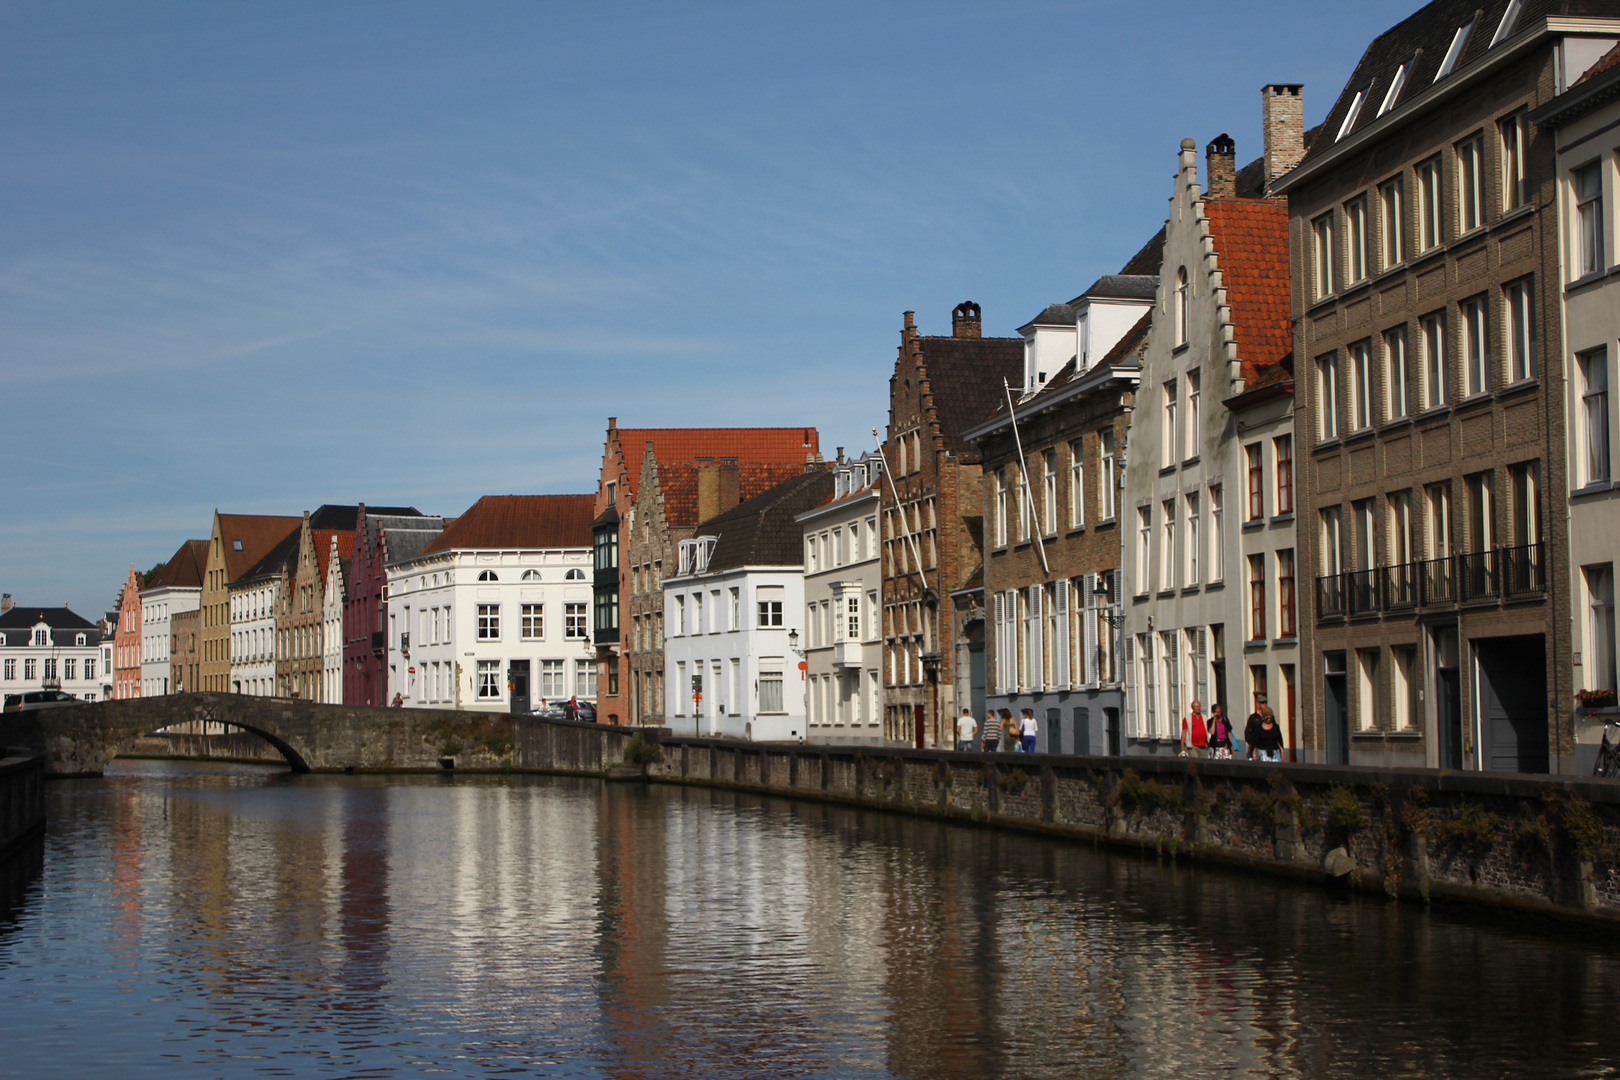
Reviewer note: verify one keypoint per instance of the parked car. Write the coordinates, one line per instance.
(39, 699)
(558, 710)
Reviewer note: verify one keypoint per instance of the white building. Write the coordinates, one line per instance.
(337, 578)
(254, 600)
(494, 613)
(174, 590)
(843, 633)
(732, 661)
(52, 648)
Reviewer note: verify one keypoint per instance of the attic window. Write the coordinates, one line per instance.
(531, 575)
(1509, 17)
(236, 545)
(1396, 85)
(1353, 112)
(78, 639)
(1458, 40)
(574, 575)
(487, 575)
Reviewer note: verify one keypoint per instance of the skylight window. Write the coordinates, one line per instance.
(1395, 86)
(1351, 114)
(1458, 40)
(1509, 17)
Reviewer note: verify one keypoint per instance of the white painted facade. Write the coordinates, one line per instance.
(332, 628)
(731, 630)
(467, 628)
(40, 656)
(253, 637)
(843, 612)
(158, 608)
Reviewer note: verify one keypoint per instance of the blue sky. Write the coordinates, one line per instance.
(264, 257)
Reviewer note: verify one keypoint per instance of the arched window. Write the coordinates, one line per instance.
(575, 575)
(531, 575)
(487, 575)
(1182, 294)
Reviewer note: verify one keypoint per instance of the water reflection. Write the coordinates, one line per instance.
(234, 921)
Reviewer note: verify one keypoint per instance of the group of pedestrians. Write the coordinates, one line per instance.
(1213, 737)
(1001, 731)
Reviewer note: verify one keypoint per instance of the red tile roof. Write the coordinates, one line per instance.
(520, 521)
(1251, 242)
(771, 445)
(185, 569)
(258, 534)
(678, 484)
(323, 547)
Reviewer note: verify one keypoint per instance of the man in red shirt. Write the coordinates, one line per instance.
(1194, 732)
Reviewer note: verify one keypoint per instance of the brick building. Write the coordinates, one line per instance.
(127, 639)
(932, 517)
(726, 455)
(236, 542)
(365, 605)
(301, 607)
(1425, 256)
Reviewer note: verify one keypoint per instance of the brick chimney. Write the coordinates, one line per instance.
(718, 486)
(965, 321)
(1220, 167)
(6, 603)
(1282, 118)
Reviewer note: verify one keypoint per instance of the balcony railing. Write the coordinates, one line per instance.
(1400, 586)
(1330, 596)
(1437, 581)
(1516, 573)
(1362, 587)
(1524, 571)
(1476, 573)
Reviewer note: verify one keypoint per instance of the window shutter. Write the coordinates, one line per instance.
(1060, 647)
(1201, 668)
(1037, 680)
(1000, 603)
(1130, 687)
(1088, 636)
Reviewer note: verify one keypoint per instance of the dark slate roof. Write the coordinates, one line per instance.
(330, 516)
(967, 376)
(1149, 259)
(378, 521)
(406, 544)
(1431, 29)
(1053, 315)
(23, 617)
(761, 531)
(1122, 287)
(185, 569)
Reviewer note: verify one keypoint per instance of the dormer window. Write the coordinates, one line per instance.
(1458, 40)
(78, 639)
(42, 636)
(487, 575)
(1396, 85)
(695, 554)
(857, 477)
(1509, 18)
(1352, 112)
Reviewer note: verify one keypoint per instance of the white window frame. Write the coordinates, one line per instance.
(1470, 183)
(1397, 374)
(1392, 235)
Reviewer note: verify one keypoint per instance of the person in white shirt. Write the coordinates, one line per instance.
(966, 729)
(1027, 728)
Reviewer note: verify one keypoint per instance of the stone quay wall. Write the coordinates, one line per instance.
(22, 798)
(1546, 846)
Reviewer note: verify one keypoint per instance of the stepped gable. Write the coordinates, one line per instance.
(323, 547)
(761, 531)
(967, 377)
(185, 568)
(1251, 244)
(516, 521)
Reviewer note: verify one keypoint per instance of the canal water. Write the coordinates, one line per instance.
(234, 921)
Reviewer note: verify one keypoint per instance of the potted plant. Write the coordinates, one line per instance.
(1595, 699)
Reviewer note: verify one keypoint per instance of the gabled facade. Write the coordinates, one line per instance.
(172, 591)
(843, 613)
(301, 607)
(236, 542)
(127, 640)
(365, 613)
(1049, 600)
(624, 456)
(493, 612)
(733, 656)
(1424, 238)
(932, 512)
(52, 649)
(256, 598)
(333, 594)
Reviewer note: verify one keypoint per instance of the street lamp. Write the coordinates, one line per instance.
(793, 643)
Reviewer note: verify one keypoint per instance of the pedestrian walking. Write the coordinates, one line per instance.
(1252, 725)
(1268, 737)
(571, 710)
(1009, 731)
(1218, 712)
(1194, 732)
(1027, 730)
(1220, 735)
(992, 731)
(966, 728)
(398, 702)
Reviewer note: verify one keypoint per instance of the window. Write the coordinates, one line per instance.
(1515, 190)
(770, 691)
(1167, 445)
(1357, 251)
(42, 637)
(1183, 295)
(1436, 373)
(852, 617)
(1144, 533)
(1476, 345)
(1526, 480)
(1600, 660)
(488, 575)
(1397, 376)
(769, 599)
(1352, 113)
(1509, 18)
(735, 621)
(1400, 545)
(534, 621)
(1332, 541)
(1193, 539)
(1001, 507)
(1595, 415)
(585, 679)
(30, 668)
(1257, 482)
(1588, 220)
(1049, 490)
(577, 574)
(1458, 39)
(1108, 481)
(1167, 552)
(1026, 508)
(1172, 675)
(11, 670)
(551, 679)
(680, 616)
(1077, 486)
(1327, 396)
(1470, 183)
(576, 627)
(531, 575)
(1396, 85)
(89, 669)
(1481, 511)
(1405, 677)
(1361, 386)
(1194, 387)
(1322, 256)
(1519, 330)
(1257, 597)
(1392, 197)
(698, 624)
(489, 622)
(1439, 521)
(1284, 446)
(1286, 626)
(489, 680)
(1217, 554)
(1429, 205)
(1368, 710)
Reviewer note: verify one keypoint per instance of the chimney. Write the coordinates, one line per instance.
(1220, 167)
(718, 486)
(840, 455)
(6, 603)
(613, 422)
(965, 321)
(1283, 121)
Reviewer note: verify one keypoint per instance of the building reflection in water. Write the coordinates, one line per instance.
(527, 924)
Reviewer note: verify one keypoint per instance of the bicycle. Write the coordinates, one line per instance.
(1608, 758)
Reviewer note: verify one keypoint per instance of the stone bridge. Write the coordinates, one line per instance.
(81, 739)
